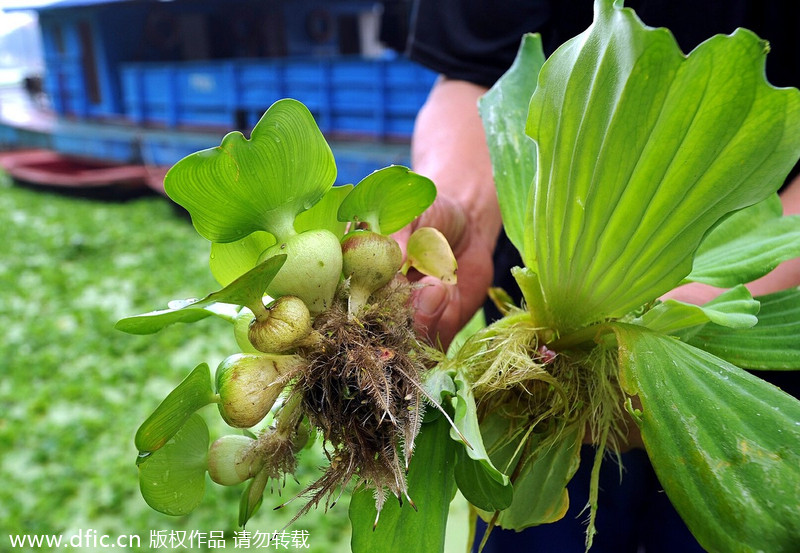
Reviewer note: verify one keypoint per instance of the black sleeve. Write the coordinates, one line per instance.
(475, 41)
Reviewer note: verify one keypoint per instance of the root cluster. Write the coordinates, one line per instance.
(362, 390)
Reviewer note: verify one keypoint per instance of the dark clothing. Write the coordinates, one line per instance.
(477, 41)
(634, 515)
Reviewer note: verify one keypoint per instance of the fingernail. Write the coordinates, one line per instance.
(431, 299)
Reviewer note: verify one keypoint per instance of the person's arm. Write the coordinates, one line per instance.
(449, 147)
(787, 274)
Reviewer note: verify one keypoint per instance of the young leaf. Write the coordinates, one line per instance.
(747, 245)
(540, 494)
(431, 486)
(642, 150)
(190, 395)
(233, 259)
(734, 308)
(388, 199)
(428, 251)
(503, 110)
(725, 445)
(172, 479)
(772, 344)
(262, 183)
(479, 481)
(252, 496)
(247, 290)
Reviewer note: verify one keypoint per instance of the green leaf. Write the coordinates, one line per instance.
(232, 259)
(734, 308)
(503, 110)
(183, 311)
(725, 445)
(262, 183)
(172, 479)
(324, 214)
(747, 245)
(540, 494)
(642, 150)
(388, 199)
(772, 344)
(252, 497)
(431, 486)
(479, 481)
(247, 290)
(190, 395)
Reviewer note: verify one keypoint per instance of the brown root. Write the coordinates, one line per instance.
(362, 390)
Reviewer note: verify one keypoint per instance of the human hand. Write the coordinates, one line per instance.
(441, 309)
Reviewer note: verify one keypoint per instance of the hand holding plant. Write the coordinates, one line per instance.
(441, 308)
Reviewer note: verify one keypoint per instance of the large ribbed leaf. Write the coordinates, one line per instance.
(747, 245)
(641, 150)
(503, 111)
(773, 344)
(242, 185)
(724, 444)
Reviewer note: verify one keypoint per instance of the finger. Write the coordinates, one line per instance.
(430, 302)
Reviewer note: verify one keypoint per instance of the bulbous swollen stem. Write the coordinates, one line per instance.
(312, 270)
(232, 459)
(284, 326)
(370, 260)
(249, 384)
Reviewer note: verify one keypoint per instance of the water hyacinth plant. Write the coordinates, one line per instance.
(624, 169)
(315, 295)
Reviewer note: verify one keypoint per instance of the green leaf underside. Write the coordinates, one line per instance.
(152, 322)
(172, 479)
(479, 481)
(388, 199)
(431, 486)
(747, 245)
(734, 308)
(540, 494)
(232, 259)
(725, 445)
(503, 110)
(641, 150)
(243, 186)
(245, 290)
(194, 392)
(773, 344)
